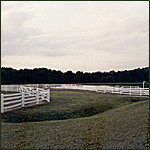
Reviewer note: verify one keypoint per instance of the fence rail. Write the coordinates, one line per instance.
(25, 97)
(30, 94)
(127, 90)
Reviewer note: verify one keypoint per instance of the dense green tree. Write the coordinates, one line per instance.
(48, 76)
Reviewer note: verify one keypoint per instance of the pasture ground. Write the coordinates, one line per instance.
(79, 120)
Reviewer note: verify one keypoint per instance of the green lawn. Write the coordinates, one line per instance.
(78, 120)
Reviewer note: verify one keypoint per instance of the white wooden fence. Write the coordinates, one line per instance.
(128, 90)
(31, 94)
(18, 87)
(26, 96)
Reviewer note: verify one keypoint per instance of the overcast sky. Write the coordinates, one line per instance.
(78, 36)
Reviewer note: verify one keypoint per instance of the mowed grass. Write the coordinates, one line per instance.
(78, 120)
(66, 104)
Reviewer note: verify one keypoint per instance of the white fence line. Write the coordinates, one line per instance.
(24, 98)
(32, 88)
(32, 94)
(128, 90)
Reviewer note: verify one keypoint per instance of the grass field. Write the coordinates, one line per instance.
(79, 120)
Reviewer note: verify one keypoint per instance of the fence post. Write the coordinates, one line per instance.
(23, 97)
(90, 88)
(37, 96)
(6, 88)
(96, 88)
(17, 88)
(2, 103)
(140, 91)
(48, 96)
(105, 89)
(121, 90)
(130, 90)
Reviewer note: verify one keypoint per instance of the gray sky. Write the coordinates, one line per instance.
(78, 36)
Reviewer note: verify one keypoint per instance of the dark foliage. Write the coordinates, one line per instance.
(48, 76)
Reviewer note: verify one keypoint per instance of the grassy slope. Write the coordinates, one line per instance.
(127, 127)
(122, 127)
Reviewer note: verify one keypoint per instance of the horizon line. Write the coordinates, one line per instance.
(72, 70)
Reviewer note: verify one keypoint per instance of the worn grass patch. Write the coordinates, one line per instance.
(93, 137)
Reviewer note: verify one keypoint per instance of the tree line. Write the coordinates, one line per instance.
(48, 76)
